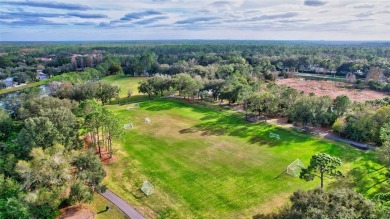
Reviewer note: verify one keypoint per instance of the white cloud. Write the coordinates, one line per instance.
(362, 5)
(165, 19)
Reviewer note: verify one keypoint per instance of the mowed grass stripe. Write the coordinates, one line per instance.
(211, 164)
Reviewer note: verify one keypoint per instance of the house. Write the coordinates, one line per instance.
(9, 82)
(41, 76)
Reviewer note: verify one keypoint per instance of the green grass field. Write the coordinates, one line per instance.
(205, 163)
(125, 83)
(98, 207)
(29, 85)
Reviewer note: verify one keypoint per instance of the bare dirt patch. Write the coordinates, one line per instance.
(332, 89)
(76, 212)
(106, 156)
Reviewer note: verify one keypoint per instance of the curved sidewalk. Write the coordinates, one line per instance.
(121, 204)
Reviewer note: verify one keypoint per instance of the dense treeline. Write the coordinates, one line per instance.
(22, 60)
(83, 91)
(44, 163)
(317, 203)
(269, 48)
(23, 72)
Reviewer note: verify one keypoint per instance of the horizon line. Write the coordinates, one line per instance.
(162, 40)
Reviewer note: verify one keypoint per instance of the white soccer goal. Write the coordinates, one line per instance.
(147, 188)
(133, 106)
(128, 126)
(275, 136)
(148, 120)
(294, 169)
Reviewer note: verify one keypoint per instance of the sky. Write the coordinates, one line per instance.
(83, 20)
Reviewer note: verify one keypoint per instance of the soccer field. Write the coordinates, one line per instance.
(206, 163)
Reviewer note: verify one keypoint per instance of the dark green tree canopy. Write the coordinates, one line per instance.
(114, 69)
(37, 132)
(341, 104)
(12, 205)
(317, 203)
(321, 166)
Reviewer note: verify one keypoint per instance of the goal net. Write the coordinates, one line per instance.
(147, 188)
(294, 169)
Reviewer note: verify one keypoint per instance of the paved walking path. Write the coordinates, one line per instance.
(350, 142)
(330, 135)
(121, 204)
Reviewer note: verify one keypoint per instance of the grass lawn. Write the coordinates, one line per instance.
(206, 163)
(99, 205)
(29, 85)
(125, 83)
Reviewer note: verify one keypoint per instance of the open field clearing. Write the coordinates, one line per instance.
(211, 164)
(332, 89)
(125, 83)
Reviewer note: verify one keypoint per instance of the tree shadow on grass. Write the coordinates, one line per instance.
(133, 99)
(256, 133)
(138, 193)
(226, 122)
(160, 106)
(102, 211)
(348, 153)
(210, 116)
(367, 179)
